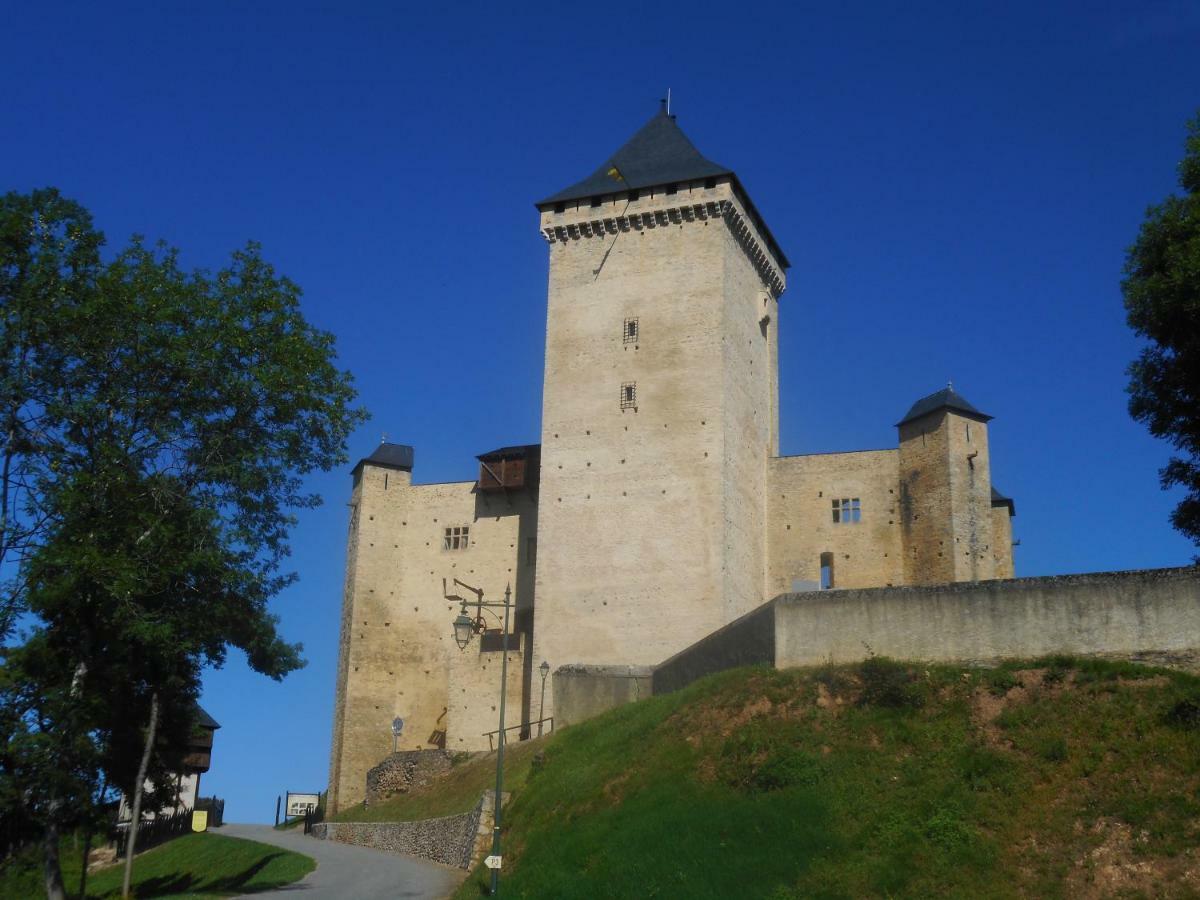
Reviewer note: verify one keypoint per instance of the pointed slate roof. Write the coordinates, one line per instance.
(946, 398)
(389, 456)
(659, 153)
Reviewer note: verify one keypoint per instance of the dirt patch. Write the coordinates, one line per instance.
(1154, 681)
(1117, 866)
(710, 719)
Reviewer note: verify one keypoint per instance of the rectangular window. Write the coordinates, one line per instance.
(629, 395)
(846, 511)
(826, 571)
(631, 331)
(457, 538)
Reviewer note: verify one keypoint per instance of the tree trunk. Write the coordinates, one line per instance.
(131, 844)
(83, 873)
(52, 871)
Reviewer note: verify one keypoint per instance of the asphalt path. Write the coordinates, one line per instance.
(346, 872)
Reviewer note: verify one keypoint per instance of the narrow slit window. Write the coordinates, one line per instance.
(457, 537)
(846, 511)
(631, 331)
(629, 395)
(826, 571)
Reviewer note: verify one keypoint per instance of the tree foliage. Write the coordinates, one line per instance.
(156, 428)
(1162, 299)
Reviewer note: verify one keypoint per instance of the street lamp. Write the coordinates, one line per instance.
(544, 668)
(464, 628)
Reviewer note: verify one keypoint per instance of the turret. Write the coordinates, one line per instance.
(946, 491)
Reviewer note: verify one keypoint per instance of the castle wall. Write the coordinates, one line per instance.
(926, 525)
(637, 519)
(1151, 615)
(800, 526)
(1002, 548)
(398, 654)
(750, 388)
(969, 464)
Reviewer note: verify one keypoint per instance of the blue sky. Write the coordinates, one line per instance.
(955, 185)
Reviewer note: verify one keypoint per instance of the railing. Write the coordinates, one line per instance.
(314, 816)
(215, 807)
(152, 832)
(524, 731)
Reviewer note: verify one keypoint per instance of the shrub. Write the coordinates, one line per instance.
(888, 683)
(1185, 714)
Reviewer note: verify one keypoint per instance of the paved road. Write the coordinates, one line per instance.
(345, 872)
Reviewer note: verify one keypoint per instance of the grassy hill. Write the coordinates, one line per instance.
(194, 866)
(1053, 778)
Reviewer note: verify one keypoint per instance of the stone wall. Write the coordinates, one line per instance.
(398, 656)
(457, 841)
(1151, 615)
(581, 692)
(800, 526)
(402, 771)
(746, 642)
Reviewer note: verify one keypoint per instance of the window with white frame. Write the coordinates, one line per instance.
(846, 511)
(457, 537)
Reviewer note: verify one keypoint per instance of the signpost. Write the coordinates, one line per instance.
(492, 862)
(299, 804)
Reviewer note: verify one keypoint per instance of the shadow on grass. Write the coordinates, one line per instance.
(166, 885)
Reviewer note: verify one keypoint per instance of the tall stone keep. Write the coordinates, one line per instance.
(660, 404)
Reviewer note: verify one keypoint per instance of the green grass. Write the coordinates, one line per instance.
(456, 792)
(876, 781)
(193, 866)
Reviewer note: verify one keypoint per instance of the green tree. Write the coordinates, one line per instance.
(165, 420)
(1162, 299)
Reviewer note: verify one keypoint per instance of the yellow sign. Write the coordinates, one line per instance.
(200, 820)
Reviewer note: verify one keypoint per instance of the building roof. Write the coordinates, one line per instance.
(517, 451)
(659, 153)
(389, 456)
(204, 720)
(946, 398)
(998, 499)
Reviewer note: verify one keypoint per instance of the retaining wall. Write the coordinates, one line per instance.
(1151, 615)
(451, 840)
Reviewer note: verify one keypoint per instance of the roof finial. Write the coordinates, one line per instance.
(383, 437)
(668, 101)
(950, 385)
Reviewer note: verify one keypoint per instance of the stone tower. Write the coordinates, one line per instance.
(946, 495)
(660, 405)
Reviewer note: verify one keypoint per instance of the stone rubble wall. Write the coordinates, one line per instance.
(458, 841)
(403, 771)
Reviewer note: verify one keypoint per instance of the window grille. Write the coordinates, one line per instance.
(630, 334)
(629, 395)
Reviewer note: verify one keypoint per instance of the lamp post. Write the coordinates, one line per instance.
(544, 668)
(464, 628)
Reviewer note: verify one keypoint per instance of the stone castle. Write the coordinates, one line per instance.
(656, 508)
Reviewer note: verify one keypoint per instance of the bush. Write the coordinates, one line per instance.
(1185, 714)
(762, 757)
(887, 683)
